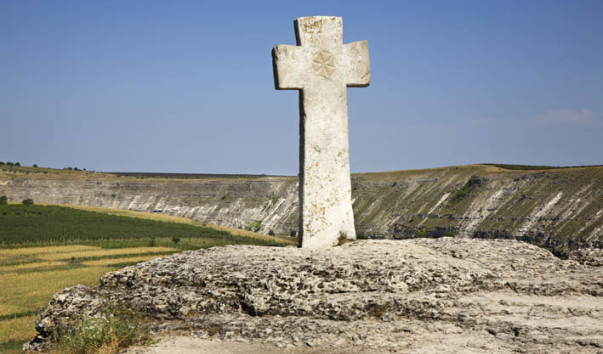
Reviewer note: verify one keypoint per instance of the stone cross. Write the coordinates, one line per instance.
(322, 68)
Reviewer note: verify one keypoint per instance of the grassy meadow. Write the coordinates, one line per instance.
(45, 248)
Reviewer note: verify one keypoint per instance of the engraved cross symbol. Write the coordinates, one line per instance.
(322, 68)
(323, 64)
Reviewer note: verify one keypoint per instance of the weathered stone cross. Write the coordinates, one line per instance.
(322, 68)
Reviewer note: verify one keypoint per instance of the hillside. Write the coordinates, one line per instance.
(560, 208)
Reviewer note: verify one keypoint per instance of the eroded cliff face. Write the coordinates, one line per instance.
(561, 209)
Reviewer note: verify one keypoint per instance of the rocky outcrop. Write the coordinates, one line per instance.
(559, 209)
(453, 295)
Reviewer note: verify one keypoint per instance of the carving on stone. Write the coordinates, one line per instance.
(323, 64)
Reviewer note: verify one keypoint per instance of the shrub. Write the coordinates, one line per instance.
(255, 225)
(115, 328)
(1, 163)
(3, 200)
(152, 242)
(17, 164)
(460, 194)
(271, 233)
(28, 201)
(35, 165)
(175, 239)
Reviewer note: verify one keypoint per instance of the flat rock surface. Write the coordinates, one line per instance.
(422, 295)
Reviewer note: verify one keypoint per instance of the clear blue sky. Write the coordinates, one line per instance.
(187, 86)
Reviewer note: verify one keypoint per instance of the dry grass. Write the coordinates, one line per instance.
(32, 290)
(177, 219)
(117, 261)
(30, 251)
(22, 328)
(130, 213)
(28, 266)
(246, 233)
(27, 288)
(100, 252)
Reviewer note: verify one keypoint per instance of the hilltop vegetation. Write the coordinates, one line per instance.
(530, 167)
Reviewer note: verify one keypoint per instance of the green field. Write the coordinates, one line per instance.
(45, 248)
(23, 225)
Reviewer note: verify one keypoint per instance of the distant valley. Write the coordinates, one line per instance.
(560, 209)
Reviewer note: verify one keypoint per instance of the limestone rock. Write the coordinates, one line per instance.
(322, 67)
(412, 295)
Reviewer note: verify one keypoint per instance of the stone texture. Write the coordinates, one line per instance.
(322, 67)
(424, 295)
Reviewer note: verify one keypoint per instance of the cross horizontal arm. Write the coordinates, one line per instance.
(288, 63)
(356, 56)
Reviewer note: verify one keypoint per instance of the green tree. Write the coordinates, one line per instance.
(3, 200)
(28, 201)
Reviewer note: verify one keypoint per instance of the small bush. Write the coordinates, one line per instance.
(17, 164)
(152, 242)
(274, 199)
(115, 328)
(460, 194)
(35, 165)
(28, 201)
(175, 239)
(3, 200)
(255, 225)
(271, 233)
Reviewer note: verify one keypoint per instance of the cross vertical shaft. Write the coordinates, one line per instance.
(322, 68)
